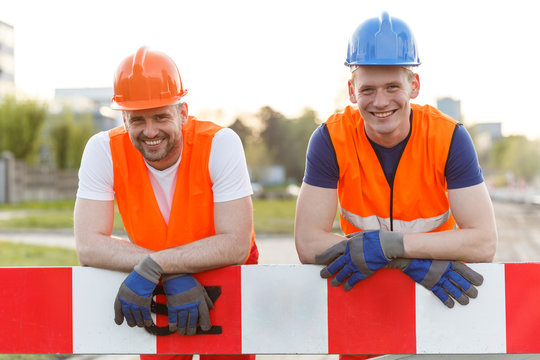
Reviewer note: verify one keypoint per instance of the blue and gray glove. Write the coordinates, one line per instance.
(187, 304)
(360, 256)
(448, 280)
(135, 294)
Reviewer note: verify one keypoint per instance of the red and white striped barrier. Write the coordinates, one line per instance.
(276, 309)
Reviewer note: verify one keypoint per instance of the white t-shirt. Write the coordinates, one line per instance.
(227, 167)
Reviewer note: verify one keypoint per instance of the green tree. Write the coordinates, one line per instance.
(274, 131)
(518, 155)
(298, 133)
(286, 139)
(243, 131)
(21, 123)
(68, 136)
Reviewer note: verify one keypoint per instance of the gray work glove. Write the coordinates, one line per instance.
(187, 304)
(360, 256)
(135, 294)
(448, 280)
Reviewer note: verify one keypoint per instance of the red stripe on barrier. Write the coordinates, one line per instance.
(377, 315)
(41, 300)
(227, 313)
(522, 302)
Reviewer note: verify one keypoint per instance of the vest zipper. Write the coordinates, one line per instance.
(391, 180)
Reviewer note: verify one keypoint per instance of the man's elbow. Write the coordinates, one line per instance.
(486, 247)
(304, 254)
(83, 256)
(490, 246)
(85, 252)
(243, 249)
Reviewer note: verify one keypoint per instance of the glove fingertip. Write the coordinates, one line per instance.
(173, 327)
(449, 303)
(479, 281)
(472, 292)
(347, 286)
(118, 315)
(325, 274)
(335, 282)
(463, 300)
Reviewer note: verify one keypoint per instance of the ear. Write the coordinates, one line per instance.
(124, 120)
(415, 86)
(352, 95)
(184, 113)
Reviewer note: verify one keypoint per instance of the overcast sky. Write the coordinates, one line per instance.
(240, 55)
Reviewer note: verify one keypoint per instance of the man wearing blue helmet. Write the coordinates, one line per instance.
(406, 177)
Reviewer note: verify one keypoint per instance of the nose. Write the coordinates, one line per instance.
(150, 129)
(381, 99)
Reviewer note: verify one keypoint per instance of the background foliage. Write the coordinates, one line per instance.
(34, 135)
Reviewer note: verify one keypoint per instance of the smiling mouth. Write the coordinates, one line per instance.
(153, 142)
(383, 114)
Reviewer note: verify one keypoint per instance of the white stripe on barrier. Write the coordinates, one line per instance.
(476, 328)
(284, 310)
(94, 329)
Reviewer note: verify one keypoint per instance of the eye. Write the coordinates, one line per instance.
(162, 116)
(367, 91)
(135, 120)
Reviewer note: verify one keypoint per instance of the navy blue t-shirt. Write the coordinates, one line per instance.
(462, 167)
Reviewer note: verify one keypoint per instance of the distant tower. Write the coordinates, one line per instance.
(7, 60)
(450, 107)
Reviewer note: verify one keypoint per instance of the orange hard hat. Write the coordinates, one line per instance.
(147, 79)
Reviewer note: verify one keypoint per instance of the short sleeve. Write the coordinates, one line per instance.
(96, 178)
(321, 162)
(462, 167)
(228, 168)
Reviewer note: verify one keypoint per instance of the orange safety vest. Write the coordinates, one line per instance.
(192, 209)
(418, 200)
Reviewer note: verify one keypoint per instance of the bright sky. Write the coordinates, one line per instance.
(239, 55)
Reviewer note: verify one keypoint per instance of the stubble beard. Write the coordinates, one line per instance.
(157, 154)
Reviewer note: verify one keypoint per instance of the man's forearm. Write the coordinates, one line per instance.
(205, 254)
(311, 243)
(109, 252)
(470, 245)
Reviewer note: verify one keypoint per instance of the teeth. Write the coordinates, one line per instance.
(384, 114)
(152, 142)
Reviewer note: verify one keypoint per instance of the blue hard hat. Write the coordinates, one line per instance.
(382, 41)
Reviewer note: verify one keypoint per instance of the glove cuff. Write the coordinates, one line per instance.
(400, 264)
(392, 244)
(149, 269)
(167, 277)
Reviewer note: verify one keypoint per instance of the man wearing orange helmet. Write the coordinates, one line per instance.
(182, 190)
(406, 177)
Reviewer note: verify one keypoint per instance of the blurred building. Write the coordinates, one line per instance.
(95, 101)
(485, 135)
(7, 60)
(450, 107)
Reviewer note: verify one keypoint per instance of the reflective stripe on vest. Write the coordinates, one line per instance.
(418, 200)
(375, 222)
